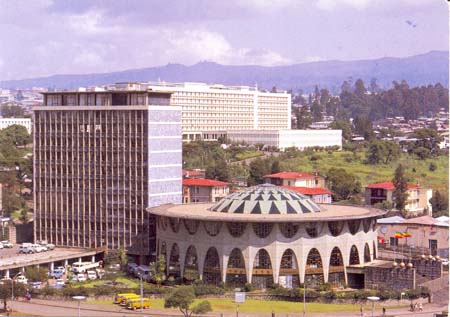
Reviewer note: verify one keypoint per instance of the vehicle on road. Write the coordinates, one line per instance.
(135, 303)
(38, 248)
(81, 277)
(91, 275)
(21, 279)
(121, 296)
(27, 250)
(82, 267)
(60, 282)
(56, 273)
(1, 246)
(35, 285)
(7, 244)
(127, 299)
(144, 271)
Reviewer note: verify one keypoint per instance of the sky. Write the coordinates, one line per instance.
(46, 37)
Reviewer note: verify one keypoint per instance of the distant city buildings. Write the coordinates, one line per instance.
(418, 200)
(100, 159)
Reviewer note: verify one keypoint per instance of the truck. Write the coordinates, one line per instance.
(82, 267)
(144, 271)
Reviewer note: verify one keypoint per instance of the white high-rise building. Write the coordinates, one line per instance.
(226, 108)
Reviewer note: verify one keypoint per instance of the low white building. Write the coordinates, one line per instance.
(283, 139)
(6, 122)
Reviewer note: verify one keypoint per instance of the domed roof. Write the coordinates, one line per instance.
(266, 199)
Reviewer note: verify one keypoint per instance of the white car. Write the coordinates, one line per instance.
(22, 279)
(92, 275)
(81, 277)
(1, 245)
(60, 282)
(61, 268)
(7, 244)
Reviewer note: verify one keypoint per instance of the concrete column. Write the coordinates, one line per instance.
(275, 259)
(223, 265)
(201, 255)
(80, 260)
(93, 259)
(52, 266)
(7, 273)
(66, 262)
(183, 251)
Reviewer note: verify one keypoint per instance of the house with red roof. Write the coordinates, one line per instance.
(202, 190)
(417, 202)
(318, 194)
(197, 173)
(295, 179)
(311, 185)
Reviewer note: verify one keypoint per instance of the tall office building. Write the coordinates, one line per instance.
(211, 108)
(100, 159)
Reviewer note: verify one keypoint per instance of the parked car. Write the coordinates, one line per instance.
(1, 245)
(61, 268)
(50, 246)
(56, 273)
(27, 250)
(21, 279)
(92, 275)
(36, 285)
(81, 277)
(38, 248)
(60, 282)
(7, 244)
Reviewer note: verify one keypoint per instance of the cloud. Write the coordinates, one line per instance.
(332, 4)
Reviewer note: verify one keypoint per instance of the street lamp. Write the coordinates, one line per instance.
(79, 299)
(142, 292)
(373, 299)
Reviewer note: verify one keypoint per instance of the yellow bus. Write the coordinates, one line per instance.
(126, 299)
(119, 297)
(135, 303)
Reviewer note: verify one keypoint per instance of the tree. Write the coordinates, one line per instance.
(158, 270)
(439, 201)
(258, 168)
(304, 118)
(182, 298)
(36, 274)
(343, 125)
(6, 290)
(316, 110)
(342, 184)
(12, 111)
(400, 182)
(382, 152)
(15, 134)
(275, 168)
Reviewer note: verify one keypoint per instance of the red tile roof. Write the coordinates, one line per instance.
(290, 175)
(192, 172)
(389, 186)
(203, 182)
(310, 190)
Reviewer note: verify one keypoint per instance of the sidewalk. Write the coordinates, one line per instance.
(70, 308)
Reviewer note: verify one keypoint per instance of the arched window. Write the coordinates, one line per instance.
(353, 226)
(163, 223)
(366, 224)
(236, 275)
(336, 275)
(163, 250)
(211, 270)
(212, 227)
(262, 230)
(289, 271)
(191, 225)
(366, 253)
(314, 269)
(374, 251)
(354, 255)
(335, 227)
(191, 265)
(236, 228)
(174, 261)
(174, 224)
(288, 229)
(313, 229)
(262, 270)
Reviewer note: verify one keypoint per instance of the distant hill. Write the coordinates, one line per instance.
(424, 69)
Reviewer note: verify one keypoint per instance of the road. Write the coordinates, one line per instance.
(40, 307)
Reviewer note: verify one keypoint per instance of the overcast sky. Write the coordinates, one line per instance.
(45, 37)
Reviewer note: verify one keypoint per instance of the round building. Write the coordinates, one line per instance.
(263, 235)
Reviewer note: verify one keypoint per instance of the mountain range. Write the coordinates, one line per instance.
(423, 69)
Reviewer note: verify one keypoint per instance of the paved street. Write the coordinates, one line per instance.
(69, 308)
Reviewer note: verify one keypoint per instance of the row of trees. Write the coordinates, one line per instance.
(373, 103)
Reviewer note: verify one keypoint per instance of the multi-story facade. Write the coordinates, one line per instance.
(100, 159)
(7, 122)
(295, 179)
(418, 198)
(217, 107)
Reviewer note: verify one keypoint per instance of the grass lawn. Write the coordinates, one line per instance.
(126, 282)
(259, 306)
(248, 154)
(354, 163)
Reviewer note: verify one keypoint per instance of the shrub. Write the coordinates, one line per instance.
(248, 287)
(432, 167)
(47, 291)
(330, 295)
(324, 287)
(72, 291)
(201, 289)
